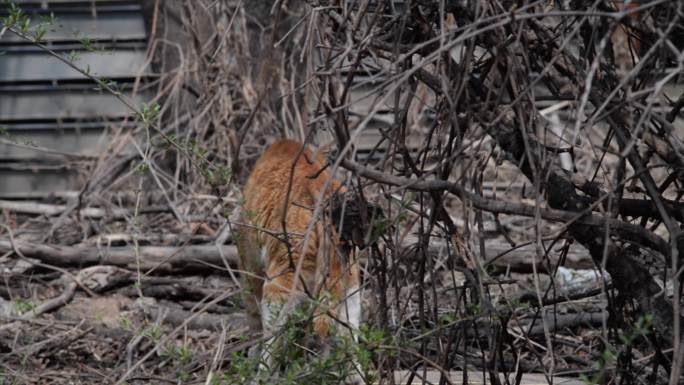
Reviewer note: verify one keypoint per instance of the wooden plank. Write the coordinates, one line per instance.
(16, 182)
(21, 127)
(365, 141)
(364, 98)
(64, 105)
(74, 27)
(38, 195)
(40, 66)
(78, 142)
(479, 378)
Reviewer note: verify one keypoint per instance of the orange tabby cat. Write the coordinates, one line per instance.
(290, 251)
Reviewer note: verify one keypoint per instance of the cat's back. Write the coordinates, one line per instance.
(286, 172)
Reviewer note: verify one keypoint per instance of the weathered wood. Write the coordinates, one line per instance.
(144, 257)
(208, 321)
(478, 378)
(40, 66)
(86, 212)
(104, 26)
(47, 306)
(56, 143)
(65, 104)
(561, 321)
(65, 195)
(15, 182)
(518, 259)
(167, 258)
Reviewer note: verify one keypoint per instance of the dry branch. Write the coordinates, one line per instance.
(88, 212)
(627, 230)
(558, 322)
(176, 317)
(46, 306)
(170, 258)
(144, 257)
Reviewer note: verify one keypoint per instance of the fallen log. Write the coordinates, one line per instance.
(202, 320)
(170, 258)
(45, 307)
(160, 258)
(50, 210)
(557, 322)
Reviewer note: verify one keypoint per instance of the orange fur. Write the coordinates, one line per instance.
(313, 255)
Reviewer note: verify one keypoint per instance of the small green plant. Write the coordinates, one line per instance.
(181, 354)
(473, 309)
(448, 318)
(218, 175)
(242, 370)
(142, 168)
(609, 356)
(15, 16)
(154, 333)
(641, 328)
(39, 32)
(73, 56)
(372, 337)
(381, 226)
(244, 337)
(23, 306)
(20, 22)
(148, 113)
(87, 43)
(125, 322)
(183, 376)
(169, 142)
(608, 359)
(4, 132)
(105, 84)
(296, 355)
